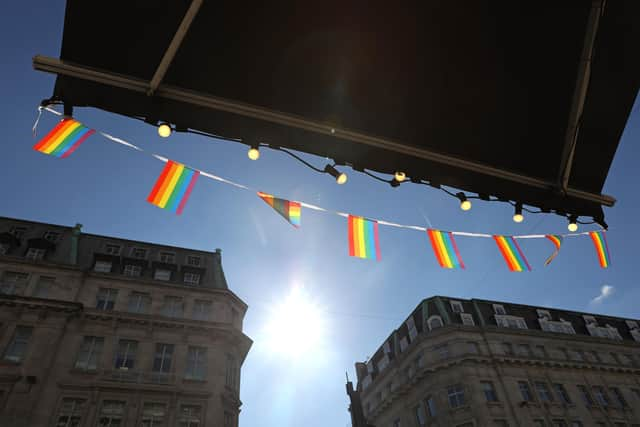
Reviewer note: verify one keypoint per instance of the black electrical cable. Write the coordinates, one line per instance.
(309, 165)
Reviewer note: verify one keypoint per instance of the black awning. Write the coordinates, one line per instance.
(484, 96)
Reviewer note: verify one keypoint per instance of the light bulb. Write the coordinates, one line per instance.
(342, 178)
(465, 205)
(572, 226)
(517, 216)
(253, 153)
(400, 176)
(164, 130)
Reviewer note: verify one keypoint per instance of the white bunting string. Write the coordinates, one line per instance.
(303, 204)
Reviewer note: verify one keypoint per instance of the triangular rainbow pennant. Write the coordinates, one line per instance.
(363, 238)
(173, 187)
(556, 239)
(602, 248)
(288, 209)
(64, 138)
(512, 253)
(445, 249)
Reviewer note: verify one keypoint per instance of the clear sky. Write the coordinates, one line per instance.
(104, 187)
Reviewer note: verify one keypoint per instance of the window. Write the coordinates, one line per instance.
(190, 416)
(167, 257)
(193, 260)
(636, 392)
(44, 286)
(456, 307)
(35, 254)
(112, 249)
(456, 396)
(524, 350)
(202, 310)
(191, 278)
(430, 404)
(172, 307)
(139, 302)
(126, 354)
(467, 319)
(103, 267)
(162, 359)
(421, 418)
(507, 348)
(18, 232)
(14, 283)
(132, 270)
(434, 322)
(619, 397)
(559, 423)
(196, 363)
(543, 314)
(442, 351)
(600, 395)
(586, 396)
(138, 253)
(540, 351)
(160, 274)
(489, 391)
(232, 372)
(473, 347)
(510, 322)
(106, 299)
(576, 355)
(17, 348)
(543, 391)
(562, 394)
(525, 391)
(70, 414)
(499, 309)
(51, 236)
(111, 413)
(153, 415)
(90, 353)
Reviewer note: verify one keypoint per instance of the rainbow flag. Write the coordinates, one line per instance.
(363, 238)
(602, 249)
(64, 139)
(512, 253)
(556, 239)
(173, 187)
(445, 249)
(288, 209)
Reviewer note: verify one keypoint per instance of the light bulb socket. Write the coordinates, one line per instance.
(340, 177)
(465, 204)
(517, 215)
(461, 196)
(394, 183)
(573, 223)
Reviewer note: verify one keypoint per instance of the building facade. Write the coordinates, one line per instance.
(102, 331)
(467, 363)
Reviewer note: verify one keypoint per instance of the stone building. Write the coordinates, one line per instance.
(467, 363)
(109, 332)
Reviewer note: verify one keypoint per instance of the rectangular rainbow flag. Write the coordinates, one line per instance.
(602, 249)
(556, 239)
(64, 139)
(288, 209)
(173, 187)
(512, 253)
(363, 238)
(445, 248)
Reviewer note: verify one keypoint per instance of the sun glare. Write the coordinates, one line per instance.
(296, 326)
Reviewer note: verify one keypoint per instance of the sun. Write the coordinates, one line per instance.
(296, 326)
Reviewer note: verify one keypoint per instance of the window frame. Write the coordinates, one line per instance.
(109, 249)
(132, 270)
(490, 393)
(71, 414)
(103, 263)
(192, 278)
(111, 417)
(525, 388)
(456, 304)
(200, 363)
(18, 231)
(129, 356)
(543, 391)
(456, 396)
(166, 352)
(35, 254)
(153, 404)
(190, 420)
(431, 319)
(140, 298)
(18, 340)
(47, 235)
(170, 257)
(499, 309)
(110, 293)
(132, 252)
(94, 352)
(189, 258)
(200, 314)
(169, 310)
(161, 277)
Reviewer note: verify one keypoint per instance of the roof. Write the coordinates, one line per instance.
(519, 100)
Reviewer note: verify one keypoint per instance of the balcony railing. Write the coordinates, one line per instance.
(139, 377)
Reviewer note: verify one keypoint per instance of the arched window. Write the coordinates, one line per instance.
(434, 322)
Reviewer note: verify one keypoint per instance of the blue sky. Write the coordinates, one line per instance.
(104, 187)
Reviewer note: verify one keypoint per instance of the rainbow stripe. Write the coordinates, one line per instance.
(445, 249)
(512, 253)
(602, 249)
(64, 139)
(288, 209)
(363, 238)
(556, 239)
(173, 187)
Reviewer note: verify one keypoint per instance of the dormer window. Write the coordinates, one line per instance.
(167, 257)
(18, 232)
(4, 248)
(456, 307)
(193, 261)
(51, 236)
(499, 309)
(35, 254)
(467, 319)
(434, 322)
(139, 253)
(111, 249)
(191, 279)
(132, 270)
(544, 314)
(590, 320)
(633, 325)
